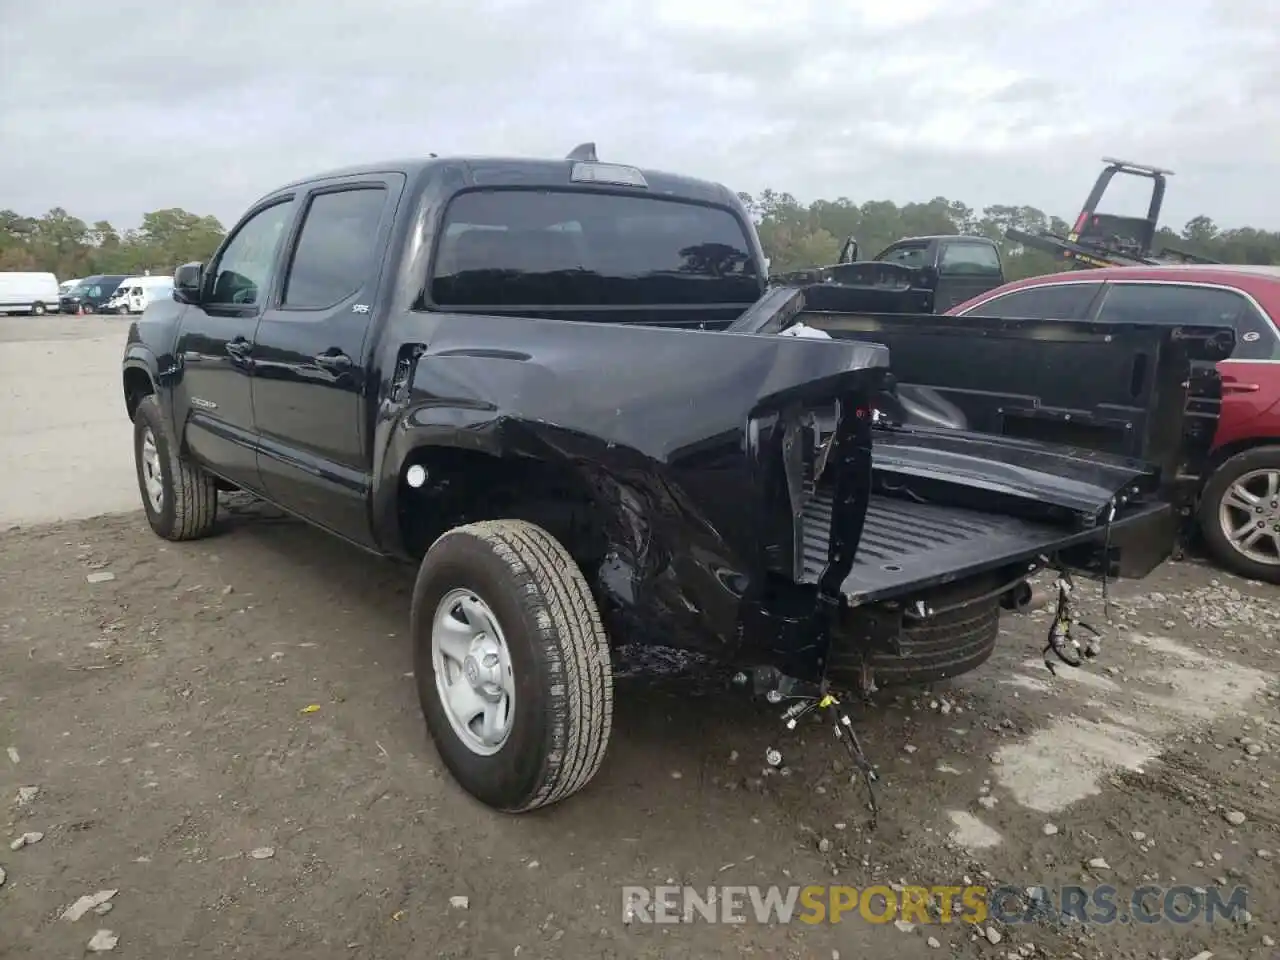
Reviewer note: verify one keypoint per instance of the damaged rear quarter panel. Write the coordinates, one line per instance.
(657, 423)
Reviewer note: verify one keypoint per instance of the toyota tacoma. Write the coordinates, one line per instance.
(566, 390)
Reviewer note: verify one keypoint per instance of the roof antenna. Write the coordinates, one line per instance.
(585, 152)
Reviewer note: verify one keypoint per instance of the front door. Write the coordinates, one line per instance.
(312, 356)
(212, 399)
(966, 268)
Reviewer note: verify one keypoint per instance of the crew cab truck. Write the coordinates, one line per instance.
(914, 274)
(564, 389)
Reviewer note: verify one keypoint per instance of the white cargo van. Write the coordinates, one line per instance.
(32, 293)
(159, 289)
(133, 294)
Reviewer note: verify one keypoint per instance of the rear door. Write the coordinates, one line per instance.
(311, 364)
(1249, 385)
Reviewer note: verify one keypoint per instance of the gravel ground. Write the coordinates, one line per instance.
(153, 742)
(159, 714)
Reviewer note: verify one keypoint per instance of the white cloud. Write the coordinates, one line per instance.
(209, 104)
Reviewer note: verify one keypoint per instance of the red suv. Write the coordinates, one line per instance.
(1239, 506)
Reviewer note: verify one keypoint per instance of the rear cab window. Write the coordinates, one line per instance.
(1057, 301)
(1174, 303)
(571, 248)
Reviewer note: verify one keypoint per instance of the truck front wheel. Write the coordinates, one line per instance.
(181, 499)
(512, 664)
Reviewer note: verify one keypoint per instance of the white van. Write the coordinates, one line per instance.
(133, 294)
(32, 293)
(150, 292)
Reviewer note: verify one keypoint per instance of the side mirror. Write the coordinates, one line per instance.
(187, 282)
(849, 252)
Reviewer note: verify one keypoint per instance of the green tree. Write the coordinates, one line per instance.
(794, 235)
(68, 247)
(797, 236)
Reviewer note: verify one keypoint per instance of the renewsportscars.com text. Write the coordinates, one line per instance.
(974, 904)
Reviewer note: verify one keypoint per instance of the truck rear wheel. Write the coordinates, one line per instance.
(512, 664)
(180, 498)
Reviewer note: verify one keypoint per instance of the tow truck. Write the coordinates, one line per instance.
(1107, 240)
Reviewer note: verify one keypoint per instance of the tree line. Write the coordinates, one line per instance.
(68, 247)
(795, 235)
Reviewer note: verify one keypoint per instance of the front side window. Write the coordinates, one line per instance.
(337, 248)
(1059, 301)
(579, 248)
(1179, 304)
(914, 255)
(244, 268)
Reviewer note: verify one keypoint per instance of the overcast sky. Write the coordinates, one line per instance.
(112, 109)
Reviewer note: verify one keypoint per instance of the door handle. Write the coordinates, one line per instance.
(239, 347)
(334, 360)
(1235, 386)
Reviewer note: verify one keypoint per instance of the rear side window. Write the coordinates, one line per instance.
(970, 259)
(523, 248)
(1177, 304)
(1059, 301)
(336, 250)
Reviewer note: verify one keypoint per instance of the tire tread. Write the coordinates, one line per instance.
(574, 646)
(194, 490)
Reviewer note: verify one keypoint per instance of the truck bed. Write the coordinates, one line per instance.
(908, 546)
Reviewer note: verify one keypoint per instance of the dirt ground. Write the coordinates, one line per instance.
(159, 714)
(152, 733)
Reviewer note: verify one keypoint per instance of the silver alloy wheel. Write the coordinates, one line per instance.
(151, 476)
(474, 679)
(1249, 515)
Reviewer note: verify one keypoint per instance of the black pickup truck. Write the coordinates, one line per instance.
(566, 390)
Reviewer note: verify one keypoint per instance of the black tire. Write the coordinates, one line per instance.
(559, 656)
(1216, 541)
(38, 310)
(122, 311)
(946, 645)
(189, 500)
(87, 308)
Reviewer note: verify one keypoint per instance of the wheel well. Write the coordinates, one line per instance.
(1228, 450)
(137, 384)
(464, 486)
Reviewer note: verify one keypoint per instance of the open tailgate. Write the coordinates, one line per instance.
(1059, 435)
